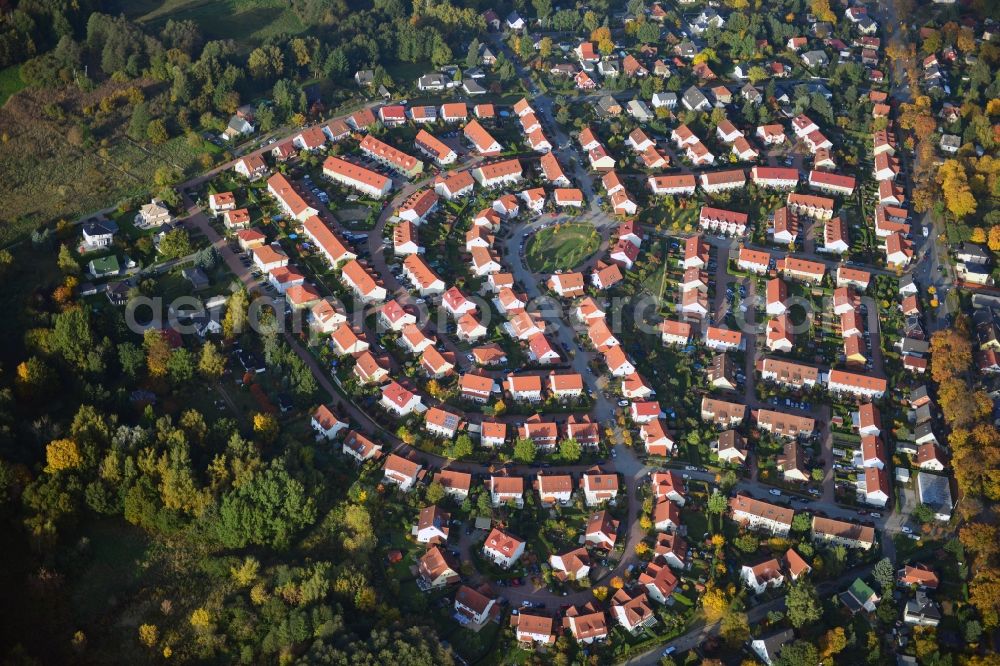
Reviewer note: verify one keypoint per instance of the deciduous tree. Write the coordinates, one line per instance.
(265, 427)
(62, 454)
(157, 352)
(524, 450)
(803, 604)
(211, 363)
(570, 450)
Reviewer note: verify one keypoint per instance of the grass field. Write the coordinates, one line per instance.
(561, 247)
(250, 22)
(47, 177)
(10, 82)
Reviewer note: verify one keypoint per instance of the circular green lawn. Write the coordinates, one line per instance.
(561, 247)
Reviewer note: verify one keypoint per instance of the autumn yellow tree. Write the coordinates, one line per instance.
(148, 634)
(617, 583)
(246, 573)
(832, 642)
(545, 47)
(600, 593)
(157, 352)
(735, 628)
(265, 426)
(978, 235)
(211, 363)
(951, 354)
(821, 10)
(966, 40)
(235, 320)
(598, 34)
(955, 189)
(34, 379)
(984, 594)
(714, 603)
(62, 454)
(200, 619)
(981, 538)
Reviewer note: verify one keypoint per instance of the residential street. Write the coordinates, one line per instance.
(632, 470)
(755, 615)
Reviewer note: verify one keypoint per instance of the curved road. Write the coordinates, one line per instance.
(632, 470)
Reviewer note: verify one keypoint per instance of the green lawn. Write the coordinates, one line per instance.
(561, 247)
(10, 82)
(250, 22)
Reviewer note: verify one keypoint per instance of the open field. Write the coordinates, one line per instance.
(250, 22)
(10, 82)
(561, 247)
(48, 173)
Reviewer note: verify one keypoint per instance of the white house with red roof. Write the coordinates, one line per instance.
(602, 530)
(761, 576)
(394, 316)
(503, 548)
(599, 487)
(456, 303)
(632, 610)
(656, 439)
(399, 400)
(326, 424)
(645, 411)
(401, 472)
(668, 485)
(418, 206)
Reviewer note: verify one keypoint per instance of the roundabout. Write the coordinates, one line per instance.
(560, 247)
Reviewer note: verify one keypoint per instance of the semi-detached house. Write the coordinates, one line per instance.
(722, 181)
(506, 172)
(329, 244)
(454, 185)
(723, 222)
(675, 185)
(482, 140)
(760, 515)
(359, 280)
(723, 339)
(357, 177)
(399, 400)
(391, 157)
(434, 148)
(401, 472)
(722, 412)
(290, 201)
(420, 275)
(502, 548)
(778, 178)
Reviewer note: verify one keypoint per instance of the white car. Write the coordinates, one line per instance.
(875, 514)
(915, 537)
(775, 492)
(906, 530)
